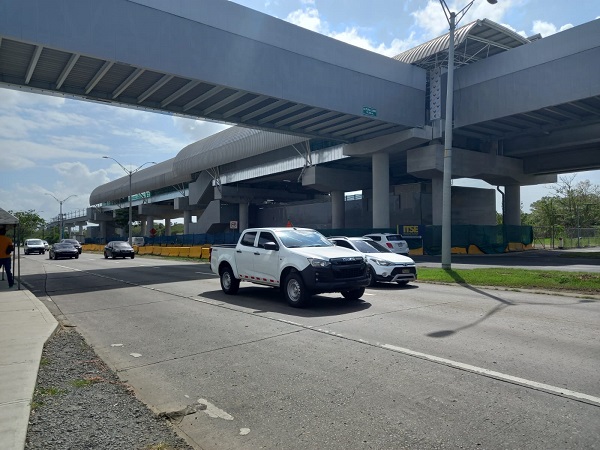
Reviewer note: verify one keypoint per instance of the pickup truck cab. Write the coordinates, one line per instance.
(299, 261)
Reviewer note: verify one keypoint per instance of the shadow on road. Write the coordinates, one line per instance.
(501, 306)
(269, 300)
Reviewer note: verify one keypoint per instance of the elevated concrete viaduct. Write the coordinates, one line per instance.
(317, 117)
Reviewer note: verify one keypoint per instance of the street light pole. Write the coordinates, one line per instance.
(130, 175)
(453, 19)
(60, 217)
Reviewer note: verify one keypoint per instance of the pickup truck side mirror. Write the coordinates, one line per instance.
(271, 246)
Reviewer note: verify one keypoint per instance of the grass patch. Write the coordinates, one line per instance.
(82, 383)
(582, 282)
(44, 361)
(51, 391)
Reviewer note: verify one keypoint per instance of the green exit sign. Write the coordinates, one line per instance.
(368, 111)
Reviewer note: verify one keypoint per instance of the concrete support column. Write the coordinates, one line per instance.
(437, 200)
(167, 227)
(187, 218)
(243, 216)
(143, 230)
(381, 190)
(103, 232)
(512, 199)
(149, 223)
(338, 210)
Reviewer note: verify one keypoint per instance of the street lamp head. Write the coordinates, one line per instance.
(492, 2)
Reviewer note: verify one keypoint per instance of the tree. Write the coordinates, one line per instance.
(573, 205)
(30, 223)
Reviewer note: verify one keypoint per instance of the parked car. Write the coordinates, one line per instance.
(46, 245)
(34, 246)
(384, 265)
(394, 242)
(63, 250)
(74, 242)
(137, 240)
(118, 249)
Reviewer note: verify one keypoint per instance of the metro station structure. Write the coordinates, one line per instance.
(314, 118)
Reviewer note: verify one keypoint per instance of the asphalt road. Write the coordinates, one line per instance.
(418, 367)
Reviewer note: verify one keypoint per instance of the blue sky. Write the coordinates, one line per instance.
(52, 145)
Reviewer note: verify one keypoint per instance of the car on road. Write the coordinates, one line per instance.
(383, 264)
(63, 250)
(394, 242)
(34, 246)
(74, 242)
(300, 262)
(118, 249)
(46, 245)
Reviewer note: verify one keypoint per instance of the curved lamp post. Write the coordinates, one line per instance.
(130, 174)
(62, 229)
(453, 19)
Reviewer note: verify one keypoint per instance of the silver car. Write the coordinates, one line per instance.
(34, 246)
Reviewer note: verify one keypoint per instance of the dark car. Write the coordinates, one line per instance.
(118, 249)
(74, 242)
(63, 250)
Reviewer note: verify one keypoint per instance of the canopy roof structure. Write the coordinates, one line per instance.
(476, 40)
(7, 219)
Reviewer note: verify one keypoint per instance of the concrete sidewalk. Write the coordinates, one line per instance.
(25, 326)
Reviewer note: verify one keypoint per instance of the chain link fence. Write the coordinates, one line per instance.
(558, 237)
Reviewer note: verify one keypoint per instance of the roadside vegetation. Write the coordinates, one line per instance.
(549, 280)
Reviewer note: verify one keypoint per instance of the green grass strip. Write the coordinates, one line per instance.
(582, 282)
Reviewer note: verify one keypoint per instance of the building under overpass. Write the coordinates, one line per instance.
(316, 117)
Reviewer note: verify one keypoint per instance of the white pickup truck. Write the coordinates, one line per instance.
(299, 261)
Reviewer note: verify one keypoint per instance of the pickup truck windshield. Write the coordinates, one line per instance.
(302, 238)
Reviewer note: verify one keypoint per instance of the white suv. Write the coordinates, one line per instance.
(34, 246)
(384, 265)
(394, 242)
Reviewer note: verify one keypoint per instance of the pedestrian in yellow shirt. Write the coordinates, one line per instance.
(6, 248)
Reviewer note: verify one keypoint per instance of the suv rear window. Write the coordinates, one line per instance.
(394, 237)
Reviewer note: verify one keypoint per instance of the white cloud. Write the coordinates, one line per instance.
(547, 29)
(310, 19)
(307, 18)
(197, 129)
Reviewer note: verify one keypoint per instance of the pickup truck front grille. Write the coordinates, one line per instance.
(343, 268)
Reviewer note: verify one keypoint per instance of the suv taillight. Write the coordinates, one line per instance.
(389, 244)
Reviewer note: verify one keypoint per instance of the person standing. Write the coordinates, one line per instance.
(6, 248)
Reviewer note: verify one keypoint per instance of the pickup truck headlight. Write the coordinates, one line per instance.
(317, 262)
(381, 262)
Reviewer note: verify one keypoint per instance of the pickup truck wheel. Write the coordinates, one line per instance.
(371, 276)
(353, 294)
(229, 283)
(294, 291)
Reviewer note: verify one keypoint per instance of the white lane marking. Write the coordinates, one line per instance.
(497, 375)
(116, 345)
(213, 411)
(135, 355)
(244, 431)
